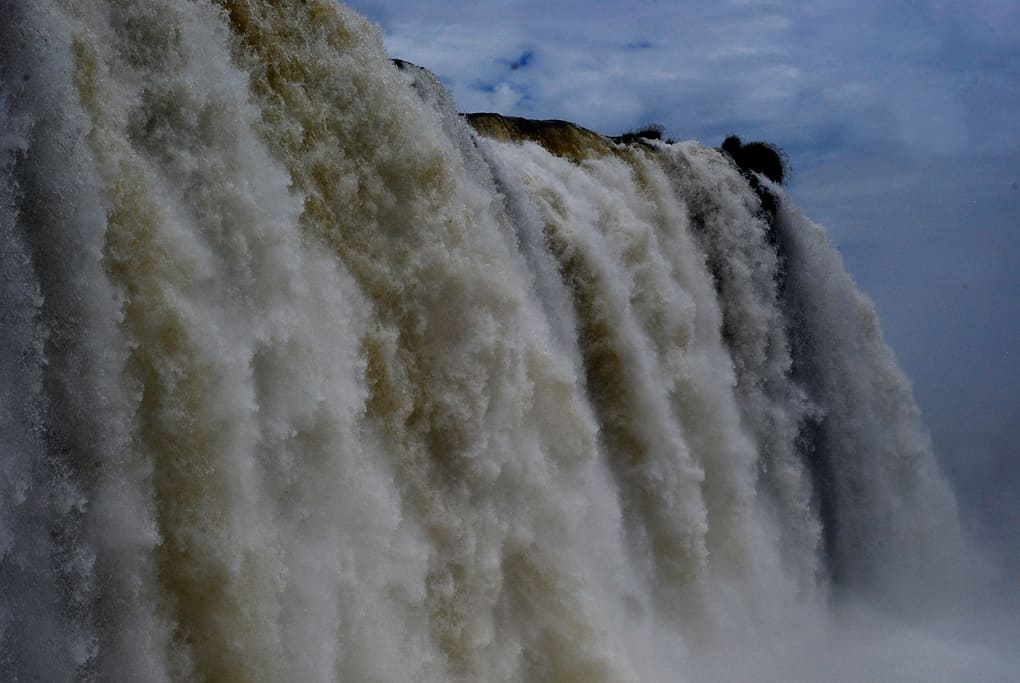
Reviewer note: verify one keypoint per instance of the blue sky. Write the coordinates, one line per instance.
(901, 119)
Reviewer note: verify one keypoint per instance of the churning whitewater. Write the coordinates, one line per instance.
(305, 379)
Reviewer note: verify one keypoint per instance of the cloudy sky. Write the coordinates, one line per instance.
(901, 119)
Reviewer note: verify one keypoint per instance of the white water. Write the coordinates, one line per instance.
(304, 381)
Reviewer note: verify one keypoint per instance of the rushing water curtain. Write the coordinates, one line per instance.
(303, 378)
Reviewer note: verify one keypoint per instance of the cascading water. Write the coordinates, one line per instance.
(305, 380)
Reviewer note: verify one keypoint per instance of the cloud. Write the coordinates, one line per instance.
(923, 74)
(775, 70)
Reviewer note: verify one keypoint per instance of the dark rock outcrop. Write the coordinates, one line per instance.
(653, 131)
(757, 157)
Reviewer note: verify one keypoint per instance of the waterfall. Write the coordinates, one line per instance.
(305, 377)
